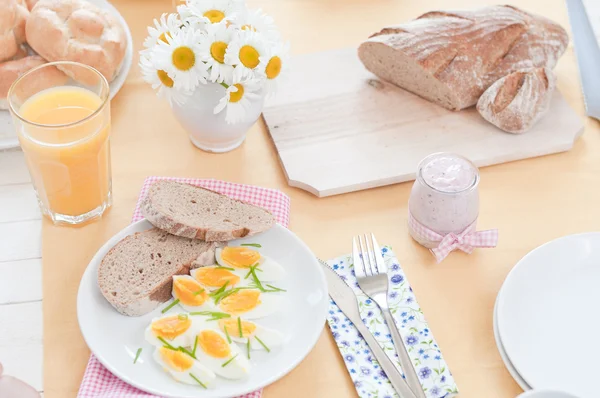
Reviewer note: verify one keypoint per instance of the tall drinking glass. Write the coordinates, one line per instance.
(63, 125)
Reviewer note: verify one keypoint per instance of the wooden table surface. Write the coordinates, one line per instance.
(530, 202)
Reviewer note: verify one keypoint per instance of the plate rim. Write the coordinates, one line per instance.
(268, 381)
(511, 273)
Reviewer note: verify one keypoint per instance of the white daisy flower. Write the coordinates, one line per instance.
(213, 48)
(206, 12)
(277, 66)
(258, 21)
(160, 79)
(237, 99)
(168, 23)
(247, 53)
(181, 58)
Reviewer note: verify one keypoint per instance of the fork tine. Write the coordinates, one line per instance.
(359, 268)
(365, 256)
(372, 262)
(378, 257)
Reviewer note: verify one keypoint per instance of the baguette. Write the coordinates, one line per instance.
(194, 212)
(517, 101)
(451, 58)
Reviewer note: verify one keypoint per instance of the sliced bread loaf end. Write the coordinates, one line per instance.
(135, 276)
(194, 212)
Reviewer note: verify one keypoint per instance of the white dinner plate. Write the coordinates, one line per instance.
(115, 338)
(548, 315)
(8, 137)
(507, 363)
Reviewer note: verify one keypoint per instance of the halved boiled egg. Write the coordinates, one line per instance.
(250, 303)
(191, 295)
(218, 355)
(261, 338)
(183, 367)
(175, 329)
(241, 258)
(215, 277)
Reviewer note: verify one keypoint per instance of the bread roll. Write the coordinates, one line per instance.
(517, 101)
(13, 16)
(451, 58)
(75, 30)
(45, 78)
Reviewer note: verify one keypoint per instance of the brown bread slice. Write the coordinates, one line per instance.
(135, 276)
(451, 58)
(193, 212)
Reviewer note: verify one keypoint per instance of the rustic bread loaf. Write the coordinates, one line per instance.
(13, 17)
(135, 276)
(517, 101)
(451, 58)
(193, 212)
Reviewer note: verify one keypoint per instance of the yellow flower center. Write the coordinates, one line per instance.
(163, 37)
(249, 27)
(183, 58)
(235, 97)
(214, 16)
(249, 56)
(273, 67)
(164, 78)
(217, 50)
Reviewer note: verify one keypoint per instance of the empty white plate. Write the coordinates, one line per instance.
(548, 315)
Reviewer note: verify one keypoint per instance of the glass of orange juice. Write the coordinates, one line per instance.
(63, 124)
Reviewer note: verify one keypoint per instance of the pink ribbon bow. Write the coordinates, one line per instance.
(466, 241)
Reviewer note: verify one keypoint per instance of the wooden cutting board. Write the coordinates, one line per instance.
(338, 128)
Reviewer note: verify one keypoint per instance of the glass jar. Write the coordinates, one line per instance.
(445, 196)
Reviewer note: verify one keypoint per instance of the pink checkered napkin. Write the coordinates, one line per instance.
(97, 381)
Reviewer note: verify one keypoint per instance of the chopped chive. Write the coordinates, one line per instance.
(186, 351)
(195, 346)
(248, 347)
(168, 307)
(215, 315)
(220, 290)
(166, 343)
(199, 292)
(240, 326)
(250, 270)
(262, 344)
(197, 381)
(275, 289)
(227, 268)
(228, 362)
(137, 354)
(256, 280)
(227, 334)
(182, 317)
(252, 244)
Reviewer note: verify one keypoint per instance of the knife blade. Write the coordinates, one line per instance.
(588, 56)
(346, 301)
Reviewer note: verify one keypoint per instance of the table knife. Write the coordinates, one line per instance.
(588, 56)
(346, 300)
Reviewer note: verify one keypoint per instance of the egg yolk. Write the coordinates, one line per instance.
(216, 277)
(231, 324)
(240, 301)
(171, 326)
(186, 290)
(213, 344)
(240, 257)
(176, 359)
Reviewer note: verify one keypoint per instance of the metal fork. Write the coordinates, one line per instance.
(371, 274)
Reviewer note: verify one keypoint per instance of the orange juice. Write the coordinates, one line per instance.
(66, 144)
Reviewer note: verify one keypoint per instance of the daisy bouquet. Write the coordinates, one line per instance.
(215, 42)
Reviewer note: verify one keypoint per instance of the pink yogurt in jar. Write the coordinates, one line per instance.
(444, 197)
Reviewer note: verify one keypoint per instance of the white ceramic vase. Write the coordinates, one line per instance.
(211, 132)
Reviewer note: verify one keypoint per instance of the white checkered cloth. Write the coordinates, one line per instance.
(466, 240)
(97, 381)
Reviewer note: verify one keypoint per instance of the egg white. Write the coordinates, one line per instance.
(268, 270)
(183, 340)
(201, 372)
(270, 303)
(208, 305)
(238, 368)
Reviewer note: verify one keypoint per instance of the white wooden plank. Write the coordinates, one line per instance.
(20, 240)
(21, 350)
(18, 203)
(20, 281)
(13, 169)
